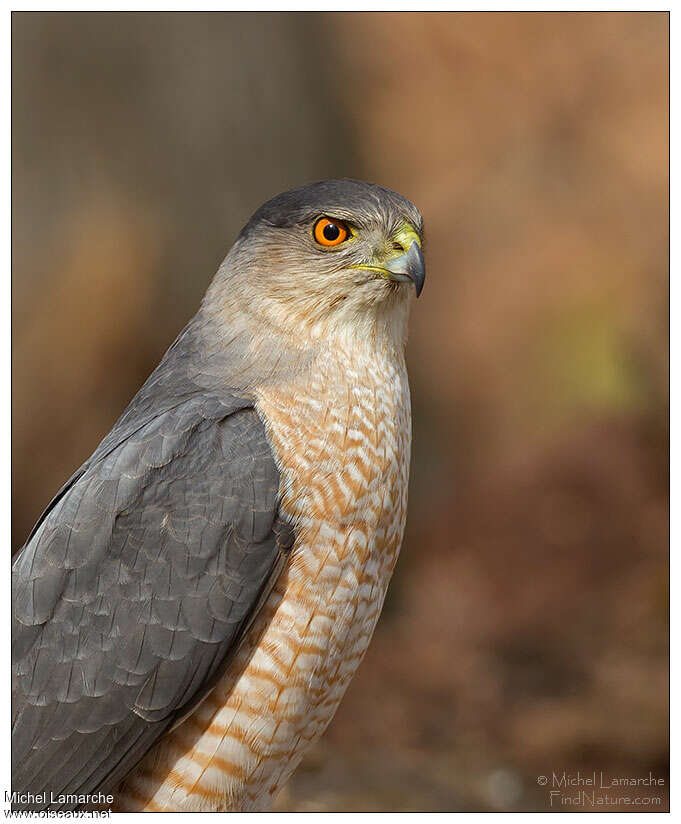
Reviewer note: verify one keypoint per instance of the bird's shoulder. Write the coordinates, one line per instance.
(139, 581)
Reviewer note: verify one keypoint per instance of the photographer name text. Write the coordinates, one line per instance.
(603, 781)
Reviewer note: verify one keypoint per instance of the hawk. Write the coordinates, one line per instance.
(193, 603)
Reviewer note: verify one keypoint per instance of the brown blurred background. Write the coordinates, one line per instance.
(525, 631)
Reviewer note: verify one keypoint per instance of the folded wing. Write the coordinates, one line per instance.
(135, 589)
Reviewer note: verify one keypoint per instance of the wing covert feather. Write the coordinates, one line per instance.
(135, 588)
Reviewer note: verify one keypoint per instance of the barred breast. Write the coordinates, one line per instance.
(342, 439)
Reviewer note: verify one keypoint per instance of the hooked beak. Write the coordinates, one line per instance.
(409, 266)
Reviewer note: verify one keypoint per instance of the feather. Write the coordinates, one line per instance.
(136, 585)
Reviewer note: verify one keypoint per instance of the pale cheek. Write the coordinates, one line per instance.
(376, 290)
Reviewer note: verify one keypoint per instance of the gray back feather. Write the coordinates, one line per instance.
(139, 581)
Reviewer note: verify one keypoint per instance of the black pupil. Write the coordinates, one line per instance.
(331, 232)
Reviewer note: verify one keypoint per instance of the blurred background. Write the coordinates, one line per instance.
(525, 630)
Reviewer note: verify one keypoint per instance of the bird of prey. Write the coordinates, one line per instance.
(193, 603)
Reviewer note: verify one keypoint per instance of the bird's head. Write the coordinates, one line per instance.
(331, 255)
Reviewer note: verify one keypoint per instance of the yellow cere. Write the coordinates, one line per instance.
(405, 237)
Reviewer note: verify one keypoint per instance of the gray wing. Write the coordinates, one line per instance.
(135, 588)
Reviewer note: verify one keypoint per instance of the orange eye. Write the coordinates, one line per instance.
(330, 232)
